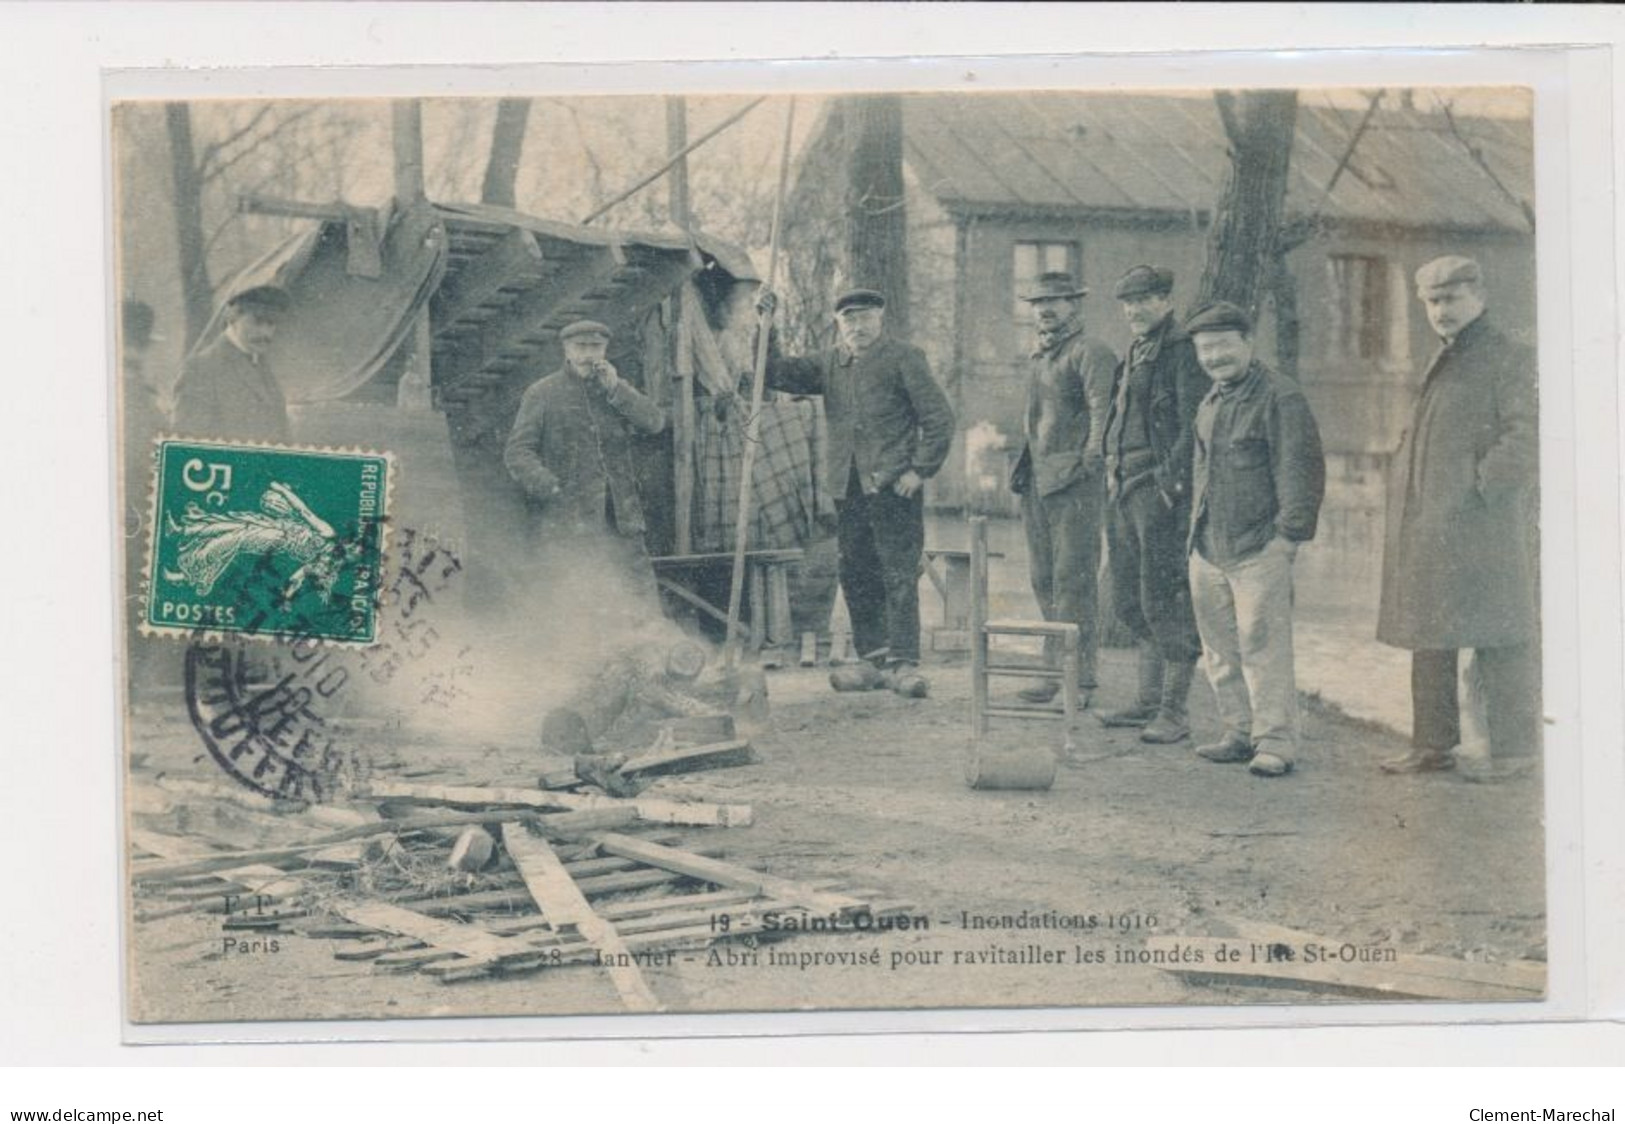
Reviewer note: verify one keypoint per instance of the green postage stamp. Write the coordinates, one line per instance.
(267, 541)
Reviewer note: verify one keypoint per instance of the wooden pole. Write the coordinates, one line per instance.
(683, 416)
(676, 144)
(407, 130)
(668, 165)
(753, 423)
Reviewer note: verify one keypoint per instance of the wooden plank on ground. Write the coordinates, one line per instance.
(272, 882)
(452, 936)
(564, 905)
(1521, 975)
(726, 874)
(719, 755)
(1376, 980)
(671, 812)
(564, 823)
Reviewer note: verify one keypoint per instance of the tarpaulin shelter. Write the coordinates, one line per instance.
(433, 310)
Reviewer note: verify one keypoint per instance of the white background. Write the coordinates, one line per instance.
(59, 891)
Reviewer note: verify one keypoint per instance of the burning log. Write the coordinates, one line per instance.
(632, 676)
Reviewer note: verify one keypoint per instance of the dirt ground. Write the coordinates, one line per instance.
(1132, 841)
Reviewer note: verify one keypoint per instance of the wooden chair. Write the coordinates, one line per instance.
(983, 667)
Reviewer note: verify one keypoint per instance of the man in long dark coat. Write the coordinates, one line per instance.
(1149, 436)
(1460, 558)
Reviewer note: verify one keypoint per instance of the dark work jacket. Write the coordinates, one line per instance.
(1258, 469)
(225, 393)
(885, 412)
(1177, 386)
(571, 446)
(1460, 556)
(1072, 376)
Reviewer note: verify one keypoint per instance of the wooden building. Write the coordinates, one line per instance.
(1001, 187)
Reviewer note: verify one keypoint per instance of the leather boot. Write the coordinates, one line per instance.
(1150, 697)
(1171, 723)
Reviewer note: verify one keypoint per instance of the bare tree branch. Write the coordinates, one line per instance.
(219, 169)
(211, 151)
(1477, 155)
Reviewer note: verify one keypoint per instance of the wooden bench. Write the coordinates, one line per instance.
(767, 593)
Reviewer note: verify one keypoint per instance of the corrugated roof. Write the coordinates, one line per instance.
(1136, 154)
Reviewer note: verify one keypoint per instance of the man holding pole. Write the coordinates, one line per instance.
(890, 426)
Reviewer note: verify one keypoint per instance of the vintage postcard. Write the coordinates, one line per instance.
(714, 553)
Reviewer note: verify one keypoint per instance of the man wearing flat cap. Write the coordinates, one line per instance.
(1149, 435)
(570, 452)
(1060, 474)
(1460, 558)
(890, 427)
(228, 389)
(1257, 479)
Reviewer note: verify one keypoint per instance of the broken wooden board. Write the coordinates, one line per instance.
(463, 938)
(563, 904)
(726, 874)
(563, 823)
(629, 917)
(670, 812)
(264, 881)
(1269, 955)
(682, 759)
(1525, 976)
(646, 943)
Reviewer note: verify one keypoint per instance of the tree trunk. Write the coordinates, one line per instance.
(1241, 254)
(196, 288)
(876, 227)
(1284, 296)
(507, 146)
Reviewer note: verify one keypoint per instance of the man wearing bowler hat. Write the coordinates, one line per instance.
(228, 389)
(890, 427)
(1149, 434)
(1060, 473)
(1257, 480)
(570, 451)
(1461, 553)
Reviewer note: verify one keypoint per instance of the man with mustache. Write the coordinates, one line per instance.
(1060, 474)
(1258, 478)
(1148, 483)
(570, 452)
(890, 427)
(1461, 554)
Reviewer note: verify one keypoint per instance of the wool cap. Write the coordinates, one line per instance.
(1059, 284)
(1219, 316)
(859, 298)
(585, 328)
(1441, 273)
(1145, 281)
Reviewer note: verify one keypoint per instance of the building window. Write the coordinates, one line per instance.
(1035, 258)
(1362, 307)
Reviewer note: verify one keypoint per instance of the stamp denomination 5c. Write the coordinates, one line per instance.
(267, 541)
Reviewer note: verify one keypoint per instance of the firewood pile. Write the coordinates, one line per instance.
(461, 882)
